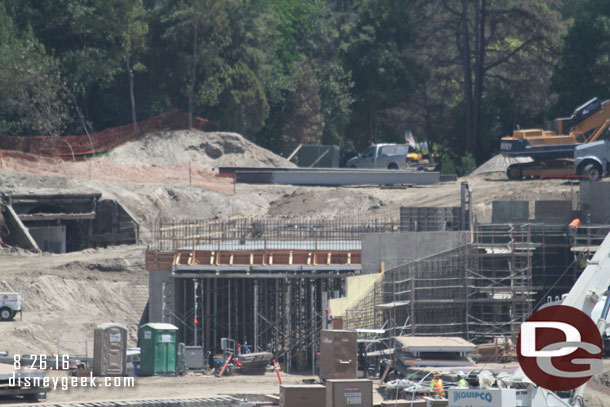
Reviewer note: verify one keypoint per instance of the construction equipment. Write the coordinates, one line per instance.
(553, 151)
(385, 155)
(585, 294)
(252, 363)
(10, 305)
(592, 160)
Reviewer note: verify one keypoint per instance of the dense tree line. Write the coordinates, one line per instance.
(459, 74)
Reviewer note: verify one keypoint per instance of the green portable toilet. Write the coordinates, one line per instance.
(158, 349)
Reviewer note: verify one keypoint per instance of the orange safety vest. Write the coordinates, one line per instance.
(437, 386)
(575, 223)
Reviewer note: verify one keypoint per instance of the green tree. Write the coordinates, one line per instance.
(30, 82)
(133, 44)
(243, 105)
(384, 74)
(198, 33)
(584, 63)
(304, 122)
(335, 87)
(289, 31)
(497, 40)
(487, 68)
(91, 39)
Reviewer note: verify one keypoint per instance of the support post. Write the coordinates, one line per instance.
(315, 324)
(215, 313)
(202, 323)
(208, 299)
(255, 315)
(195, 305)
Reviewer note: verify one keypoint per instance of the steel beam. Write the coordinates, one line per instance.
(330, 177)
(221, 269)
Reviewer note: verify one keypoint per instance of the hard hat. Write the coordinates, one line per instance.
(437, 374)
(461, 374)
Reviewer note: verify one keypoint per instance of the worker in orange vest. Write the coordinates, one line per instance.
(575, 223)
(436, 385)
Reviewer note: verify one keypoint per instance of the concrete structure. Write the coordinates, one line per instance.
(319, 156)
(477, 291)
(13, 231)
(395, 249)
(553, 212)
(510, 211)
(50, 238)
(270, 282)
(594, 198)
(330, 176)
(67, 222)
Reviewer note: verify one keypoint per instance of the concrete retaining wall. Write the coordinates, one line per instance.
(155, 295)
(594, 198)
(553, 212)
(510, 211)
(395, 249)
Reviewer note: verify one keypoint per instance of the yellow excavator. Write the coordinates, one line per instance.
(552, 152)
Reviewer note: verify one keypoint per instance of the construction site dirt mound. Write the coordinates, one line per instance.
(207, 149)
(66, 296)
(498, 163)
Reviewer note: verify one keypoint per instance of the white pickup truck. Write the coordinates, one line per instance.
(10, 305)
(386, 156)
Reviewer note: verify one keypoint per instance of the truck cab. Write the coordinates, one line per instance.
(592, 160)
(384, 156)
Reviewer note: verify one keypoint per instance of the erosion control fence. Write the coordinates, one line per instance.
(70, 146)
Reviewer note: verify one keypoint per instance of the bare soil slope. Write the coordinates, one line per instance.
(206, 150)
(66, 296)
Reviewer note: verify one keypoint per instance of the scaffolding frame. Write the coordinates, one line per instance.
(479, 291)
(499, 281)
(283, 316)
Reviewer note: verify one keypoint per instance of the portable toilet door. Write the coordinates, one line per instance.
(110, 350)
(165, 356)
(158, 349)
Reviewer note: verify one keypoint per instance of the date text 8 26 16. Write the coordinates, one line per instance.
(41, 362)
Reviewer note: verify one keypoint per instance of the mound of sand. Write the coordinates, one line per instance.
(207, 150)
(66, 296)
(498, 163)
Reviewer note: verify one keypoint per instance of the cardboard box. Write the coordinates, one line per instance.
(294, 395)
(349, 393)
(338, 354)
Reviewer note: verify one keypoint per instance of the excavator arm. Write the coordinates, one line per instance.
(599, 131)
(593, 124)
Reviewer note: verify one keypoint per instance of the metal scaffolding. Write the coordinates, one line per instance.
(478, 291)
(280, 315)
(499, 282)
